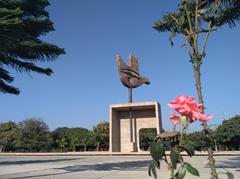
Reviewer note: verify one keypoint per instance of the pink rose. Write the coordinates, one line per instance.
(205, 117)
(186, 106)
(175, 119)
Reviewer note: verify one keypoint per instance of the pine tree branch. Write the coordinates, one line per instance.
(8, 89)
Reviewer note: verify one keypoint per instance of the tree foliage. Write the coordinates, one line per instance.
(200, 140)
(228, 134)
(61, 138)
(195, 20)
(34, 135)
(22, 23)
(195, 17)
(225, 137)
(146, 136)
(76, 137)
(87, 139)
(68, 139)
(8, 136)
(62, 143)
(101, 134)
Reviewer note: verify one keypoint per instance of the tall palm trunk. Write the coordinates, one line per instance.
(197, 75)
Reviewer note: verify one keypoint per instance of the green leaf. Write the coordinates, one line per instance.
(191, 169)
(157, 151)
(152, 170)
(174, 156)
(202, 11)
(172, 36)
(181, 20)
(149, 169)
(180, 159)
(156, 163)
(230, 175)
(181, 172)
(189, 148)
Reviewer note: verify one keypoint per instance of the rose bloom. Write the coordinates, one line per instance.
(186, 106)
(175, 119)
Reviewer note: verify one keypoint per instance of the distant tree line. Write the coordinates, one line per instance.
(33, 135)
(225, 137)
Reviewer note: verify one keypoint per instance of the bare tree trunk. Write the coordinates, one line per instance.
(216, 147)
(2, 148)
(98, 144)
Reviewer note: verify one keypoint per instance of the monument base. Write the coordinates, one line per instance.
(124, 133)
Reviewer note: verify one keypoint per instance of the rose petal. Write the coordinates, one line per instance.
(175, 119)
(205, 117)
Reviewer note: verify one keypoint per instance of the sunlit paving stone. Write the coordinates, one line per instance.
(107, 167)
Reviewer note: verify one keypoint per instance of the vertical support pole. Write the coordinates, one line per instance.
(130, 125)
(130, 94)
(130, 113)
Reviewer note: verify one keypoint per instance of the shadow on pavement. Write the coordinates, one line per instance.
(131, 165)
(229, 163)
(22, 162)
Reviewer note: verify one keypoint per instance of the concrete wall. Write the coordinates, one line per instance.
(144, 115)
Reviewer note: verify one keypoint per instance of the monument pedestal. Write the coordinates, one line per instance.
(144, 115)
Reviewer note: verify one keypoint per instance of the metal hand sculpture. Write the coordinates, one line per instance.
(129, 74)
(130, 77)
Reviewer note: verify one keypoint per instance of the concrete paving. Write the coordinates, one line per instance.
(104, 167)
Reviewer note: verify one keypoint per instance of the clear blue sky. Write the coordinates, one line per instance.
(85, 80)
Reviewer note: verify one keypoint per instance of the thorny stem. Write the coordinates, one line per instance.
(196, 61)
(181, 137)
(200, 100)
(205, 126)
(197, 76)
(196, 64)
(170, 166)
(172, 172)
(188, 46)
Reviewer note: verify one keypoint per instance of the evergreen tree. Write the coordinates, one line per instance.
(22, 23)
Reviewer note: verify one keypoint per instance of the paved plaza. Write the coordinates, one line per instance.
(106, 167)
